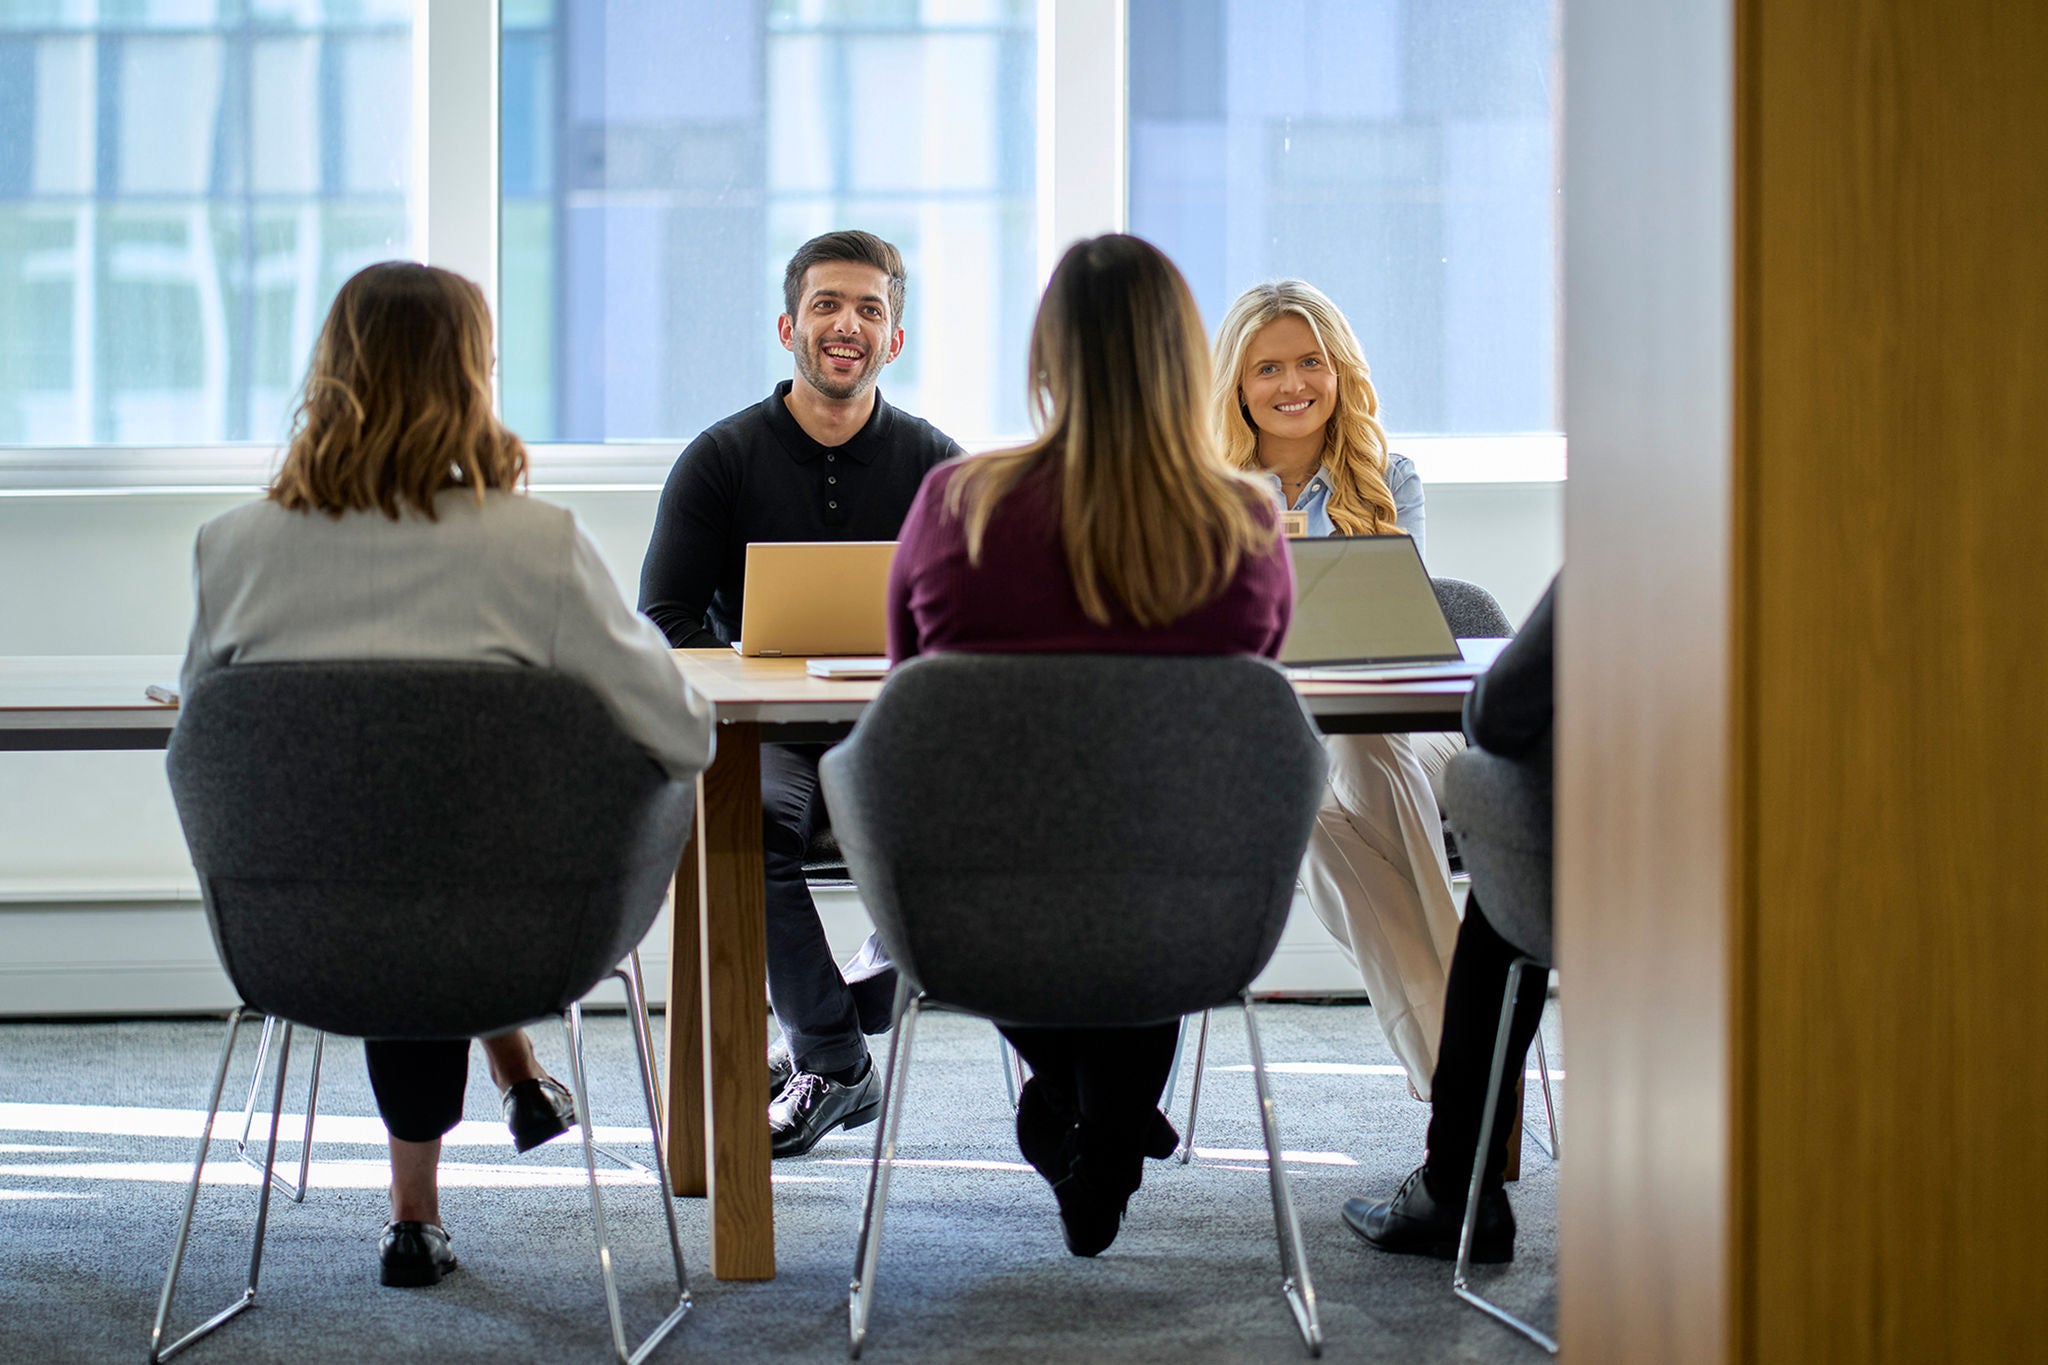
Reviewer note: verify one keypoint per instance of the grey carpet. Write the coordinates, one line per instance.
(972, 1263)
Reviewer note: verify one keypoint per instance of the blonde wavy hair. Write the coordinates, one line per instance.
(1354, 442)
(1152, 517)
(396, 406)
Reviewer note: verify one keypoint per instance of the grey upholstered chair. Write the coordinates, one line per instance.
(420, 850)
(1501, 809)
(1471, 610)
(1083, 841)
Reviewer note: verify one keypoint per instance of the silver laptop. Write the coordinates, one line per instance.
(813, 597)
(1365, 602)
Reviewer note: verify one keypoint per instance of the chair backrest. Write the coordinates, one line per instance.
(419, 850)
(1471, 610)
(1087, 840)
(1502, 813)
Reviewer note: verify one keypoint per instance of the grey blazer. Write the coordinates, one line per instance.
(512, 581)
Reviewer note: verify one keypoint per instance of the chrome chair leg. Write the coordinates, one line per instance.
(157, 1350)
(1187, 1139)
(636, 989)
(1295, 1284)
(1013, 1068)
(1180, 1045)
(1549, 1104)
(256, 1080)
(295, 1193)
(868, 1250)
(1461, 1273)
(572, 1023)
(628, 973)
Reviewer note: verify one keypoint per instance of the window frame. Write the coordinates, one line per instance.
(1082, 184)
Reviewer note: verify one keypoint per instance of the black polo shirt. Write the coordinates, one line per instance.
(757, 475)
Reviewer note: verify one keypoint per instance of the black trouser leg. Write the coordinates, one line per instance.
(1113, 1076)
(418, 1085)
(1472, 1001)
(811, 1000)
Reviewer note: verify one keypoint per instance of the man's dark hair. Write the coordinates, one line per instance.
(862, 248)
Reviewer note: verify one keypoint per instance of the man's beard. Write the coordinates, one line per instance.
(810, 363)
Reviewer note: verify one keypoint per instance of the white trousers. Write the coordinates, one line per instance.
(1377, 878)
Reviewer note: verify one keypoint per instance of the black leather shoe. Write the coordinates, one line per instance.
(1044, 1120)
(872, 978)
(1094, 1191)
(538, 1111)
(781, 1066)
(414, 1255)
(1414, 1223)
(811, 1106)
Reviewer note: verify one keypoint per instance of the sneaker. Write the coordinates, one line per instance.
(811, 1106)
(1415, 1223)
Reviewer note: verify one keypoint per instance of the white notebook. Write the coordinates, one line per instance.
(847, 668)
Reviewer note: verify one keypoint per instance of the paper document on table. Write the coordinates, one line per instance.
(847, 668)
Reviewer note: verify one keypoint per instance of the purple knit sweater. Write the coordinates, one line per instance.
(1020, 598)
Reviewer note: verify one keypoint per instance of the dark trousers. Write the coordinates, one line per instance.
(811, 1000)
(1472, 1000)
(418, 1085)
(1112, 1076)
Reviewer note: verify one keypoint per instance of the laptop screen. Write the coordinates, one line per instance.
(1364, 600)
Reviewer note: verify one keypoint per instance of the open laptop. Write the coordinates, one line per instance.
(1364, 605)
(815, 597)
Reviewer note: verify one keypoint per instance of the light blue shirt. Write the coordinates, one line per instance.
(1402, 481)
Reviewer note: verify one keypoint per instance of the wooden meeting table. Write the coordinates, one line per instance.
(717, 1092)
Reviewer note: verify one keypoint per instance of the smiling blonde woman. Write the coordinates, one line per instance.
(1293, 401)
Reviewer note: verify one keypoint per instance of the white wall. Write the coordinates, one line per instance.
(97, 907)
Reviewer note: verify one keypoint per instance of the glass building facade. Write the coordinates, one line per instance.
(183, 186)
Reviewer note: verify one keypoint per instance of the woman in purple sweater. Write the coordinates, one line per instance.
(1119, 530)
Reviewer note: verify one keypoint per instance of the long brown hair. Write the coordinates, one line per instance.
(1150, 514)
(397, 402)
(1354, 442)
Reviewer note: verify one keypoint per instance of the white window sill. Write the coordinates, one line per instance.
(622, 466)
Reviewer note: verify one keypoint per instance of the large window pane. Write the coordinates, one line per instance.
(663, 158)
(1399, 154)
(183, 185)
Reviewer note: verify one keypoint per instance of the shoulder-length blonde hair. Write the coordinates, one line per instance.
(397, 402)
(1151, 517)
(1354, 442)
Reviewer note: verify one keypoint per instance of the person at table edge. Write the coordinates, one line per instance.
(823, 457)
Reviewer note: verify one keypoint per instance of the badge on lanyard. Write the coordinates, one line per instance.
(1294, 525)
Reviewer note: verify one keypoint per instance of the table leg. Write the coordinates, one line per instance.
(734, 962)
(683, 1121)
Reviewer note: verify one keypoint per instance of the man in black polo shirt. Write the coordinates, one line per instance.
(821, 458)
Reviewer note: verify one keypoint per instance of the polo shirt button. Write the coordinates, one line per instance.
(829, 459)
(831, 478)
(833, 505)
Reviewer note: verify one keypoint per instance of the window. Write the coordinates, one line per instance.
(183, 185)
(1401, 155)
(663, 158)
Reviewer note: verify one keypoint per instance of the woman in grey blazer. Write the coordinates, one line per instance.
(396, 529)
